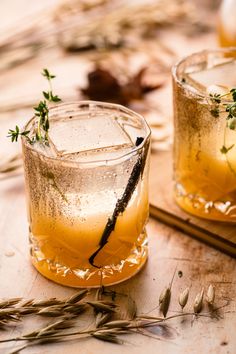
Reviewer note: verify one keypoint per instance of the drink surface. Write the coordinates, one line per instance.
(85, 138)
(222, 74)
(73, 187)
(205, 177)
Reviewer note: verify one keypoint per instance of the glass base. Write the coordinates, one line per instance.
(219, 210)
(91, 277)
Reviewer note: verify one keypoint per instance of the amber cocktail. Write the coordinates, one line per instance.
(205, 134)
(87, 194)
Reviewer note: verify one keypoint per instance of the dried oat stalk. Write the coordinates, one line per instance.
(112, 29)
(198, 302)
(210, 296)
(109, 325)
(183, 298)
(165, 296)
(164, 300)
(102, 318)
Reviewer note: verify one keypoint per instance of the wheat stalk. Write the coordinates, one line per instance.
(108, 325)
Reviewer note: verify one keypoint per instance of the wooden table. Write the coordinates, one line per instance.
(168, 249)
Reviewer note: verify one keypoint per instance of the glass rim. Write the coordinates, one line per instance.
(189, 88)
(103, 105)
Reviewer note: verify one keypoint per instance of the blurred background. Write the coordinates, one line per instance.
(107, 50)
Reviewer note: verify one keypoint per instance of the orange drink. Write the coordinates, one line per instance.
(205, 135)
(87, 194)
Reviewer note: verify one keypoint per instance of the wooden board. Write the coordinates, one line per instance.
(163, 207)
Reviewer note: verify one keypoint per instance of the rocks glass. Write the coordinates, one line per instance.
(87, 194)
(205, 135)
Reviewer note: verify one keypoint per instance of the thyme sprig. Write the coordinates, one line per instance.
(42, 112)
(14, 134)
(230, 108)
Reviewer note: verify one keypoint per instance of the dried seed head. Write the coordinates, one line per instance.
(10, 314)
(51, 311)
(112, 338)
(102, 318)
(74, 308)
(58, 325)
(27, 303)
(50, 302)
(210, 296)
(77, 297)
(162, 296)
(64, 323)
(100, 306)
(197, 306)
(164, 301)
(28, 310)
(9, 318)
(10, 302)
(183, 297)
(118, 324)
(48, 328)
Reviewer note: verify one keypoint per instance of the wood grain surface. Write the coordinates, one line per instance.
(168, 248)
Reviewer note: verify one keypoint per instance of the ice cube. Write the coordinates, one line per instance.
(99, 154)
(87, 133)
(45, 149)
(223, 74)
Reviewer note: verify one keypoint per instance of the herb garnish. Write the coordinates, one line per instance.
(230, 108)
(41, 111)
(14, 134)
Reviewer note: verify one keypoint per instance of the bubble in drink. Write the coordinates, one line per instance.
(78, 185)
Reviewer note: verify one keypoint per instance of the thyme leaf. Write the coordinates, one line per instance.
(230, 108)
(41, 111)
